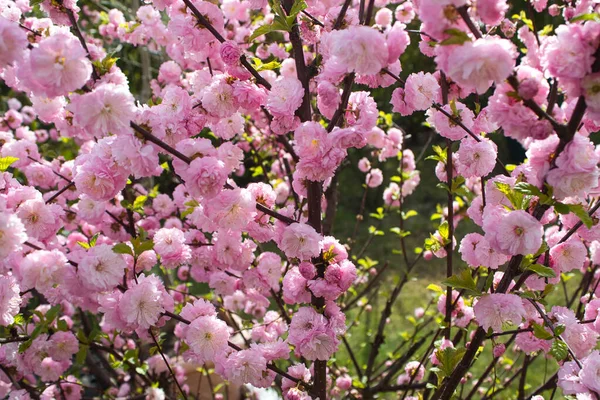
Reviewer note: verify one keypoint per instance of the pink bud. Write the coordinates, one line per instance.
(499, 349)
(307, 270)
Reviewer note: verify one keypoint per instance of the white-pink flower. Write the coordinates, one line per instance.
(10, 299)
(476, 158)
(108, 109)
(13, 42)
(142, 304)
(207, 337)
(300, 241)
(59, 65)
(12, 234)
(359, 48)
(285, 96)
(495, 310)
(517, 232)
(101, 269)
(480, 63)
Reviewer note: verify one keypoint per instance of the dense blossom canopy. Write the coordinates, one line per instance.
(145, 236)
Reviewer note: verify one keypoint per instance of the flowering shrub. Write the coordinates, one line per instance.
(147, 236)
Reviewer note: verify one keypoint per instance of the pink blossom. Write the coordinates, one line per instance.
(517, 232)
(491, 12)
(300, 241)
(576, 184)
(447, 127)
(44, 270)
(476, 158)
(205, 177)
(59, 65)
(142, 304)
(328, 98)
(311, 335)
(13, 41)
(12, 234)
(568, 378)
(421, 91)
(483, 62)
(359, 48)
(41, 220)
(230, 53)
(294, 287)
(592, 311)
(311, 140)
(170, 245)
(567, 54)
(101, 268)
(247, 366)
(97, 179)
(495, 310)
(590, 371)
(218, 99)
(568, 255)
(10, 299)
(169, 72)
(232, 208)
(207, 337)
(285, 96)
(580, 337)
(108, 109)
(62, 346)
(361, 112)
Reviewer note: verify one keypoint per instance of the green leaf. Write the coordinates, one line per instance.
(542, 270)
(358, 384)
(540, 333)
(583, 215)
(62, 325)
(528, 188)
(279, 24)
(131, 355)
(503, 187)
(409, 213)
(262, 30)
(522, 16)
(559, 350)
(138, 203)
(299, 5)
(94, 239)
(81, 354)
(586, 17)
(154, 192)
(19, 319)
(187, 212)
(104, 66)
(83, 244)
(6, 162)
(449, 358)
(52, 314)
(268, 67)
(144, 246)
(379, 214)
(462, 281)
(435, 288)
(457, 36)
(518, 200)
(444, 230)
(122, 248)
(561, 208)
